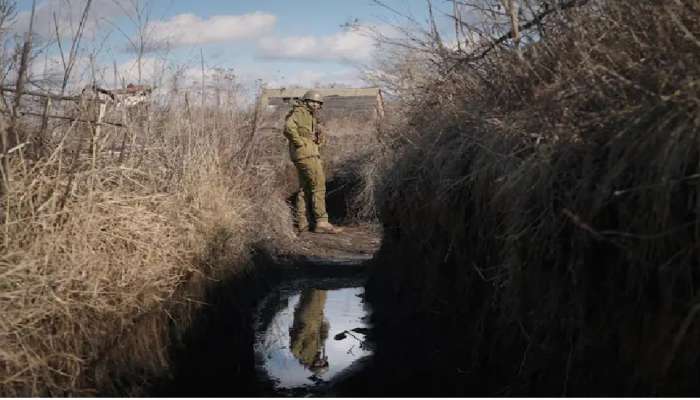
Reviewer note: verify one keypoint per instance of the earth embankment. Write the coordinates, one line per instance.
(541, 221)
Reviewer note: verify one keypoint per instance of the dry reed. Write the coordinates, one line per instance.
(112, 238)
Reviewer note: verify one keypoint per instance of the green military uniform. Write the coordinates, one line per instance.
(302, 130)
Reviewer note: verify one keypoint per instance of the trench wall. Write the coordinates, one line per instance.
(541, 234)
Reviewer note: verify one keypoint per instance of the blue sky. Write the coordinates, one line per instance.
(282, 42)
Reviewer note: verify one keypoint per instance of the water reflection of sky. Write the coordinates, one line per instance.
(343, 310)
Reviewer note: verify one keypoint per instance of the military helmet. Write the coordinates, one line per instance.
(313, 95)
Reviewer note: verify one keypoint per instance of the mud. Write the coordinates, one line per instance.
(355, 246)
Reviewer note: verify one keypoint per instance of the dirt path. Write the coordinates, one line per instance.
(356, 245)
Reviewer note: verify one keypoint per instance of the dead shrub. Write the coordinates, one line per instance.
(551, 202)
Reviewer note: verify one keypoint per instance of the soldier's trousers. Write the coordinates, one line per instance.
(312, 193)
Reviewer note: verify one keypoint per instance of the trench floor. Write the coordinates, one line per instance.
(218, 357)
(357, 244)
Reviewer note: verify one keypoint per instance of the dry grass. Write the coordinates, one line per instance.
(351, 156)
(100, 257)
(552, 203)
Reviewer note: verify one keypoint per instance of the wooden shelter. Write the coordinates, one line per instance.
(339, 103)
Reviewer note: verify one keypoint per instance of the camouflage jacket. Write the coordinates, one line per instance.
(301, 129)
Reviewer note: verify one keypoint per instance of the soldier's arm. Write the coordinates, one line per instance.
(291, 131)
(320, 134)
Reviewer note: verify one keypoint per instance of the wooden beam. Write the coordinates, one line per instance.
(117, 124)
(295, 93)
(41, 94)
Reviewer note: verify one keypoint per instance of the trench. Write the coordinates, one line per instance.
(297, 327)
(311, 325)
(338, 325)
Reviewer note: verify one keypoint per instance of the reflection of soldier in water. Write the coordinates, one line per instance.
(309, 331)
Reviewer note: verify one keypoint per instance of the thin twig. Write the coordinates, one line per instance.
(536, 20)
(678, 339)
(75, 46)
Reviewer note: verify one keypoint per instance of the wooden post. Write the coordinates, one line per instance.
(40, 140)
(513, 8)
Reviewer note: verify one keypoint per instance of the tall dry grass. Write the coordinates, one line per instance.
(110, 240)
(547, 206)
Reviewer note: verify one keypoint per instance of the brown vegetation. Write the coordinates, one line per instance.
(110, 240)
(544, 206)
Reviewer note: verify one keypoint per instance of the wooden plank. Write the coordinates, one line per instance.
(45, 95)
(328, 93)
(117, 124)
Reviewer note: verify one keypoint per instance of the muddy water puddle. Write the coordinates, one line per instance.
(308, 335)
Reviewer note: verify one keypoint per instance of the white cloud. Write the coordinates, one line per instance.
(48, 72)
(315, 78)
(189, 29)
(351, 46)
(67, 14)
(50, 69)
(152, 71)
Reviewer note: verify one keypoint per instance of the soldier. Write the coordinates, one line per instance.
(302, 130)
(307, 336)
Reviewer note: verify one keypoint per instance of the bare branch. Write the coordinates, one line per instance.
(58, 41)
(75, 45)
(533, 22)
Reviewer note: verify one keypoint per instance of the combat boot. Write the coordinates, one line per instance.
(302, 225)
(325, 227)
